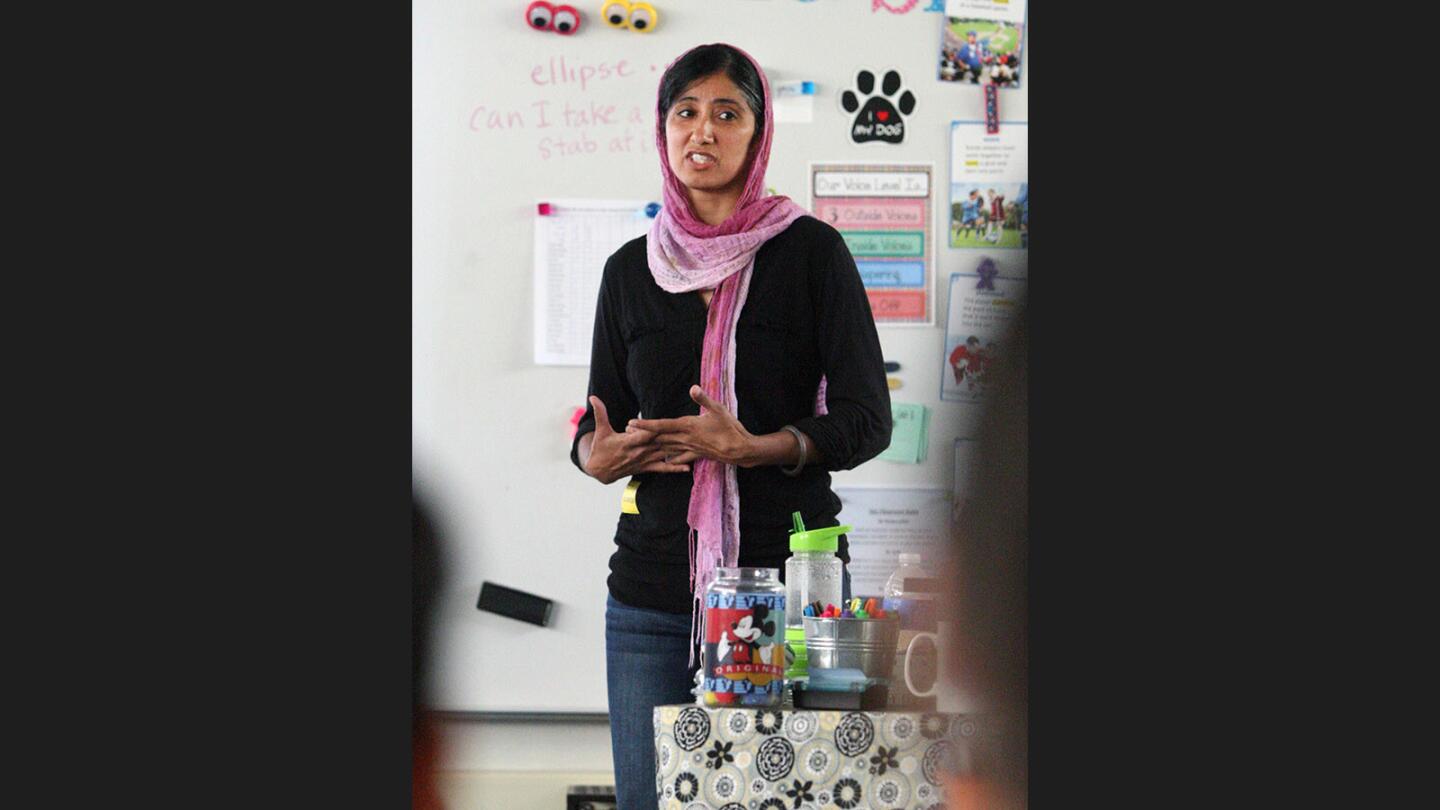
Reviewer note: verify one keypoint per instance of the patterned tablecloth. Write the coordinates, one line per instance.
(773, 759)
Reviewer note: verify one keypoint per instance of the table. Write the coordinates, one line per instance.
(799, 759)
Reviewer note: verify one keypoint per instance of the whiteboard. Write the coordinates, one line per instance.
(504, 116)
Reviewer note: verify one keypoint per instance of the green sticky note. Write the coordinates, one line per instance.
(924, 440)
(909, 437)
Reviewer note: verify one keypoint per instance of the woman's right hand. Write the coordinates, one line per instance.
(616, 455)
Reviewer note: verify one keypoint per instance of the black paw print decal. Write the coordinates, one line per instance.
(879, 119)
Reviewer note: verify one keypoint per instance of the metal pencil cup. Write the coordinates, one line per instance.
(864, 644)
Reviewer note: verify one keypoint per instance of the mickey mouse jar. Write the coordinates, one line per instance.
(744, 653)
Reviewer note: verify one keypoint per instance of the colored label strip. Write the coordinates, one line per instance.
(891, 274)
(896, 214)
(885, 243)
(897, 305)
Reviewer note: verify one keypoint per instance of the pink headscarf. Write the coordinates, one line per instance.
(685, 255)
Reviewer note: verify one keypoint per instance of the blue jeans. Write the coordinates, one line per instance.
(646, 665)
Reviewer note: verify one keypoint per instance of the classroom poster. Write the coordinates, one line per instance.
(887, 521)
(981, 306)
(980, 42)
(884, 212)
(989, 189)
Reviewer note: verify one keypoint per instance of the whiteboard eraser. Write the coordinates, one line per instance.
(518, 605)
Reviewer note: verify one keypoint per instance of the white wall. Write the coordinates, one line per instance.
(517, 790)
(519, 765)
(484, 745)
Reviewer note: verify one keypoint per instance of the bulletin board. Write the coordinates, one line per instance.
(504, 117)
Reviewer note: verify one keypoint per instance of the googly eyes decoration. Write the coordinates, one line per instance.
(639, 17)
(543, 16)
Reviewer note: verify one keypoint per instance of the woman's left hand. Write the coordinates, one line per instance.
(714, 434)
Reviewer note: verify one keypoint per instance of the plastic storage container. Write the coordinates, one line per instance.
(813, 573)
(744, 652)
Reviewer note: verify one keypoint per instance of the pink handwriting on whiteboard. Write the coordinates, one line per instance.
(558, 70)
(542, 115)
(578, 126)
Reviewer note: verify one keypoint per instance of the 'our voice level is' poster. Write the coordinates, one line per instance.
(884, 213)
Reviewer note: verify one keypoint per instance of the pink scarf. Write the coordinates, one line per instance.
(685, 255)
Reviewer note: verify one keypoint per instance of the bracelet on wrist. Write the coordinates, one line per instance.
(804, 451)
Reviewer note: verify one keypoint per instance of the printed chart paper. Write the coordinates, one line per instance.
(977, 322)
(888, 521)
(884, 213)
(989, 192)
(572, 244)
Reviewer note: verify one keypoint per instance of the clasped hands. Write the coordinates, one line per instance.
(668, 445)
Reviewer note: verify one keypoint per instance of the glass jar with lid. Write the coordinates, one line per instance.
(744, 652)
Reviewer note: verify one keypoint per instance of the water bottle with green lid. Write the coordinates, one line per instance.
(813, 573)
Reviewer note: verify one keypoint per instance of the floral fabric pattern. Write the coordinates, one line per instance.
(848, 793)
(935, 759)
(692, 728)
(800, 792)
(854, 734)
(687, 786)
(800, 726)
(744, 759)
(719, 755)
(933, 726)
(768, 721)
(882, 760)
(775, 759)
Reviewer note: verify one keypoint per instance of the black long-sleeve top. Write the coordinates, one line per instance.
(806, 314)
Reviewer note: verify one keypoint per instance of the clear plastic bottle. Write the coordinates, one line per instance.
(812, 574)
(910, 566)
(910, 592)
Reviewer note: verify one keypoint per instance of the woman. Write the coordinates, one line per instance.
(739, 329)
